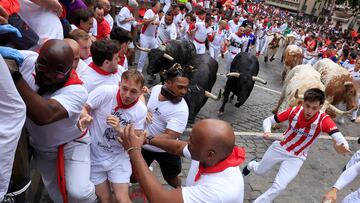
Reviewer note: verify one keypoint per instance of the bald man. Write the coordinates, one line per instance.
(54, 98)
(78, 64)
(214, 174)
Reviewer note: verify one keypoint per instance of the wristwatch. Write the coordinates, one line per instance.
(16, 76)
(148, 139)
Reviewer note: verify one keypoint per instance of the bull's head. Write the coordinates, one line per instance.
(158, 59)
(350, 95)
(201, 96)
(244, 84)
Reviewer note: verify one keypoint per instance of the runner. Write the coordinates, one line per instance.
(305, 124)
(112, 107)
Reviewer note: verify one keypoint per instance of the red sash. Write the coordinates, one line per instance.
(60, 172)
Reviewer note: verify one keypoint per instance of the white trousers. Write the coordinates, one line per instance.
(12, 119)
(214, 52)
(77, 172)
(261, 44)
(146, 42)
(229, 57)
(200, 48)
(289, 168)
(352, 197)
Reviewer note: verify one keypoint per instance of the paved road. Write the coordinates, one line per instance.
(319, 171)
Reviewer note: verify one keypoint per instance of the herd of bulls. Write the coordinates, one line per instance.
(325, 74)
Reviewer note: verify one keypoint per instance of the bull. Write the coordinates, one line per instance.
(293, 56)
(339, 85)
(201, 84)
(241, 79)
(273, 46)
(165, 56)
(298, 80)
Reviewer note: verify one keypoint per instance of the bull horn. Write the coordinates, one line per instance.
(348, 83)
(270, 34)
(212, 96)
(141, 48)
(340, 112)
(258, 79)
(167, 56)
(233, 74)
(297, 96)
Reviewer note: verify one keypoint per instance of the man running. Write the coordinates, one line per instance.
(305, 124)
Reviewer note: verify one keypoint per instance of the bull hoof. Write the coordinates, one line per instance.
(265, 59)
(271, 59)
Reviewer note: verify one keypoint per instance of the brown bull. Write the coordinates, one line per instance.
(293, 56)
(273, 46)
(339, 85)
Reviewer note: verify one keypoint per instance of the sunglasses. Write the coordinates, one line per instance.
(57, 74)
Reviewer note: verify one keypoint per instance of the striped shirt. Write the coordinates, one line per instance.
(301, 134)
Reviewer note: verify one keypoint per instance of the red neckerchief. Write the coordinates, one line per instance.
(122, 60)
(73, 79)
(352, 61)
(99, 70)
(121, 105)
(154, 11)
(236, 158)
(130, 8)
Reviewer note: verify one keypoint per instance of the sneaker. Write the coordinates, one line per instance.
(246, 171)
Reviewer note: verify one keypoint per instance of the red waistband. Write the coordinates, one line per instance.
(198, 41)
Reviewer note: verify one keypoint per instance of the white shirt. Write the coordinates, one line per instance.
(124, 14)
(219, 38)
(233, 26)
(347, 65)
(355, 75)
(183, 30)
(93, 30)
(235, 43)
(81, 67)
(72, 98)
(93, 79)
(150, 29)
(166, 115)
(88, 60)
(166, 32)
(45, 23)
(103, 102)
(12, 119)
(202, 32)
(110, 20)
(225, 187)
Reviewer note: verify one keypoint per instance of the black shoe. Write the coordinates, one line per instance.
(246, 171)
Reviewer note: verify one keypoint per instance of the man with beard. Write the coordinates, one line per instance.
(54, 97)
(167, 118)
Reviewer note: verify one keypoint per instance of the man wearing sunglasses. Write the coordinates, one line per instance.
(54, 97)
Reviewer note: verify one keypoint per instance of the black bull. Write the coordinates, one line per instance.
(184, 53)
(241, 79)
(165, 56)
(201, 83)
